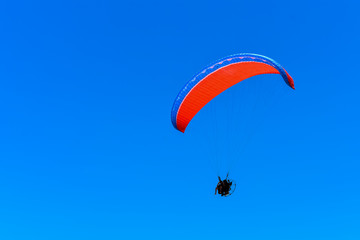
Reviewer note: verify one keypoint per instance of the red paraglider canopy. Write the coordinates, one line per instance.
(218, 77)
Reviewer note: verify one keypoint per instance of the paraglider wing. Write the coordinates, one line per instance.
(218, 77)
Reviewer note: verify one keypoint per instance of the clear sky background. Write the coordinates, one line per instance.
(86, 138)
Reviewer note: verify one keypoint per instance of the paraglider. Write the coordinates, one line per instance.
(215, 79)
(225, 187)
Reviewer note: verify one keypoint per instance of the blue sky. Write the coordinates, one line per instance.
(86, 137)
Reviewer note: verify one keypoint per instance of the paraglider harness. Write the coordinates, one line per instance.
(225, 187)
